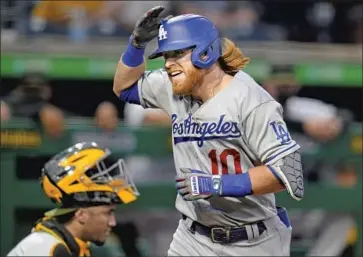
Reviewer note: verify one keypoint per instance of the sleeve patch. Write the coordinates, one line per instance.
(281, 132)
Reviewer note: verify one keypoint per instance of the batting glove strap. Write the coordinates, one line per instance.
(237, 185)
(205, 185)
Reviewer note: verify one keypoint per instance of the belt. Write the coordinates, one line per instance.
(224, 235)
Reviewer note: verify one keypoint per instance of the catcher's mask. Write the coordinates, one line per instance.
(82, 176)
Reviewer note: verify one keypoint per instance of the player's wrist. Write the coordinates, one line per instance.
(216, 185)
(135, 41)
(133, 56)
(236, 185)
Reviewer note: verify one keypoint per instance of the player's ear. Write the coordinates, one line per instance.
(81, 215)
(204, 56)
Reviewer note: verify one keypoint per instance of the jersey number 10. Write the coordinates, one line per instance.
(223, 159)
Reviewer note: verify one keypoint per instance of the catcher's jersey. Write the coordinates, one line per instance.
(239, 128)
(50, 239)
(36, 244)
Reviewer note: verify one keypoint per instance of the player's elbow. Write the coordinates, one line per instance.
(120, 85)
(290, 173)
(116, 89)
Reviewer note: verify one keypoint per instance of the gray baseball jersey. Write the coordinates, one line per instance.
(239, 128)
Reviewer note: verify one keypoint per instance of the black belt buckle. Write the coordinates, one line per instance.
(221, 232)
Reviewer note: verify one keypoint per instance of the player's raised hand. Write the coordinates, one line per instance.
(146, 29)
(194, 184)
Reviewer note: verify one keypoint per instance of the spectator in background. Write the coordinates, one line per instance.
(355, 21)
(55, 16)
(136, 116)
(246, 24)
(78, 19)
(106, 116)
(320, 121)
(320, 16)
(31, 99)
(347, 24)
(217, 11)
(5, 113)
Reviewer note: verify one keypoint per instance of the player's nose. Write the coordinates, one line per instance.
(112, 221)
(169, 62)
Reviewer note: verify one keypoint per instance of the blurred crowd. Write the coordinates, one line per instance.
(303, 21)
(311, 121)
(31, 98)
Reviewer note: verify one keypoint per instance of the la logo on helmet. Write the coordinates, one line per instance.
(162, 33)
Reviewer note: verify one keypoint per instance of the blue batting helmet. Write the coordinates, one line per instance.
(186, 31)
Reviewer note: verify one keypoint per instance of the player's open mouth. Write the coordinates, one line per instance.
(175, 73)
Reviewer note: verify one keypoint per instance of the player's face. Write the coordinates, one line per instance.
(98, 223)
(183, 75)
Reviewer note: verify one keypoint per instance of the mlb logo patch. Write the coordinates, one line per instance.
(194, 184)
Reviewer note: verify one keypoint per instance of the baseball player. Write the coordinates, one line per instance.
(87, 188)
(231, 147)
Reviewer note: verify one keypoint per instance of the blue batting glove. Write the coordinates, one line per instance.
(194, 184)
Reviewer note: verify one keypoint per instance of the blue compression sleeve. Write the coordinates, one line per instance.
(131, 94)
(133, 56)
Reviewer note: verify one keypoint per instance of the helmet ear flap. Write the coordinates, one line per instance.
(204, 57)
(51, 190)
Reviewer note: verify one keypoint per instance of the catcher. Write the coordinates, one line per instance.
(86, 188)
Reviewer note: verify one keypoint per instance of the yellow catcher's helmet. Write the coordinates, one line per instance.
(82, 176)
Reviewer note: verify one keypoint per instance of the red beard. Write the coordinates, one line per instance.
(193, 79)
